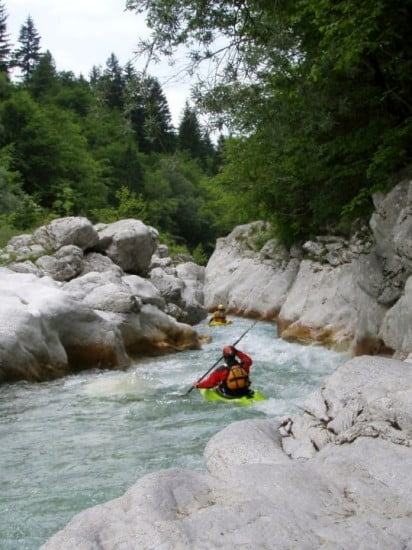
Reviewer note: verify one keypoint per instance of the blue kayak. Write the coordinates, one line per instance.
(211, 394)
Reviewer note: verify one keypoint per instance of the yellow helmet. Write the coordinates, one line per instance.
(220, 306)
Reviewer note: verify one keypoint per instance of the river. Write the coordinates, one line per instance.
(82, 440)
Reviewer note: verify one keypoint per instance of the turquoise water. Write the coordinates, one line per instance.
(80, 441)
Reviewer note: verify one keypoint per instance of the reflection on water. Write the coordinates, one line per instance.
(76, 442)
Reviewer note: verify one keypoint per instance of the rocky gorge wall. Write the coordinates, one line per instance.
(76, 295)
(349, 294)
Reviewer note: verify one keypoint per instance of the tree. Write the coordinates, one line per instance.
(10, 182)
(189, 133)
(193, 139)
(43, 79)
(95, 75)
(27, 56)
(149, 114)
(52, 156)
(18, 211)
(112, 83)
(321, 90)
(129, 205)
(176, 198)
(129, 72)
(74, 94)
(5, 47)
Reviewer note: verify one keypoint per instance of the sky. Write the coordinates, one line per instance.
(83, 33)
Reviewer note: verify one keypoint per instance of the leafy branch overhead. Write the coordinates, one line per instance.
(321, 89)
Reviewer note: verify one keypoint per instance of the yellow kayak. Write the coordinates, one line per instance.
(211, 394)
(219, 323)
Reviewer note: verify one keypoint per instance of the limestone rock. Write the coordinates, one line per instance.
(44, 333)
(129, 243)
(77, 231)
(396, 327)
(247, 280)
(75, 308)
(64, 265)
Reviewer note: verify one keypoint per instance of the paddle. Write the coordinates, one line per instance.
(220, 358)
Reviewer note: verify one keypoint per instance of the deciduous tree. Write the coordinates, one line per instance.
(319, 91)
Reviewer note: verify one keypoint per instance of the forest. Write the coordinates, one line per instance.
(312, 99)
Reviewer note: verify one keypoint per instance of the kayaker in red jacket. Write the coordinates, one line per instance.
(232, 378)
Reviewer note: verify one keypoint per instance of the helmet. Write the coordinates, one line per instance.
(228, 351)
(220, 306)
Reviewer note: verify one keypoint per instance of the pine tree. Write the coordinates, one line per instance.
(27, 56)
(190, 134)
(43, 79)
(149, 114)
(95, 75)
(112, 83)
(5, 47)
(158, 123)
(129, 72)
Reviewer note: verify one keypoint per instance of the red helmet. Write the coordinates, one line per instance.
(228, 351)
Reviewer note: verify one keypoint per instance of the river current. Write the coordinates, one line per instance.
(73, 443)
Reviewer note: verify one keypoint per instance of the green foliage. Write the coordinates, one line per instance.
(199, 255)
(175, 248)
(27, 54)
(51, 154)
(6, 232)
(230, 193)
(18, 211)
(27, 215)
(392, 153)
(321, 90)
(43, 79)
(316, 95)
(148, 112)
(194, 141)
(65, 200)
(176, 199)
(112, 83)
(189, 134)
(130, 205)
(262, 237)
(10, 182)
(73, 95)
(5, 46)
(359, 207)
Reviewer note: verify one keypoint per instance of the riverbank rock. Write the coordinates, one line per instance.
(349, 489)
(348, 294)
(68, 302)
(45, 333)
(182, 288)
(252, 278)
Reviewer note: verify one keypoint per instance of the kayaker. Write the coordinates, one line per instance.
(219, 315)
(232, 378)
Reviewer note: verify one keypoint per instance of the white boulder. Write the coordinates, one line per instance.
(129, 243)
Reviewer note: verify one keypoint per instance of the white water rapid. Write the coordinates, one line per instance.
(73, 443)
